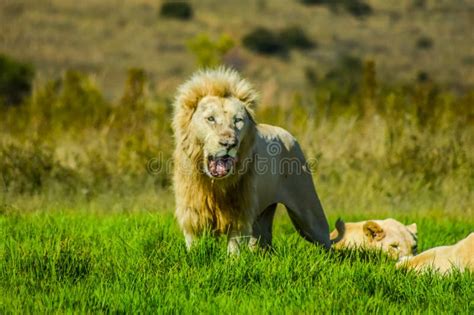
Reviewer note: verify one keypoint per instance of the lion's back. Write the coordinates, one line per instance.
(271, 134)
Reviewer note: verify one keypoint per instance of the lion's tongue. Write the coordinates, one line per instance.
(220, 167)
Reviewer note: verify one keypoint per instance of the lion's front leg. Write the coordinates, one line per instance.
(190, 239)
(237, 239)
(188, 222)
(262, 229)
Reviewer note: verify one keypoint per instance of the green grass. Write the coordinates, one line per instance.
(64, 262)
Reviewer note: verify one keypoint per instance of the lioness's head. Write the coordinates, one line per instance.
(391, 236)
(213, 119)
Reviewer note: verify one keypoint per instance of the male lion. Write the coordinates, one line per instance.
(443, 259)
(389, 235)
(230, 172)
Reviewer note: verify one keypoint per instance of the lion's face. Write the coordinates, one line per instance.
(220, 124)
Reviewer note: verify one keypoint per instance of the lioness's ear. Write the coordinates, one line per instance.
(412, 228)
(373, 231)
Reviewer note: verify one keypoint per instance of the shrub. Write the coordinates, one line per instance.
(209, 53)
(80, 101)
(264, 41)
(422, 76)
(295, 37)
(31, 168)
(74, 101)
(424, 42)
(314, 2)
(357, 8)
(344, 79)
(134, 91)
(177, 10)
(311, 75)
(369, 81)
(15, 80)
(419, 4)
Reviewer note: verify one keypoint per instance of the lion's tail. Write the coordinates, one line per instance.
(341, 230)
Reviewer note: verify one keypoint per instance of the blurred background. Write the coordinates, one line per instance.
(381, 93)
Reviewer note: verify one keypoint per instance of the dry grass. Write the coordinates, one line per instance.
(402, 152)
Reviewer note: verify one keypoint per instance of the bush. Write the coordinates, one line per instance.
(357, 8)
(424, 42)
(314, 2)
(419, 4)
(177, 10)
(73, 101)
(264, 41)
(344, 79)
(15, 80)
(209, 53)
(134, 92)
(311, 76)
(32, 168)
(295, 37)
(422, 76)
(80, 101)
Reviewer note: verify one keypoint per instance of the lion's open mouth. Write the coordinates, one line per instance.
(220, 166)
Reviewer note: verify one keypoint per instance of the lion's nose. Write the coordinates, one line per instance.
(228, 143)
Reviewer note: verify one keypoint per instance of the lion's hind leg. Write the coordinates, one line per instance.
(309, 225)
(305, 210)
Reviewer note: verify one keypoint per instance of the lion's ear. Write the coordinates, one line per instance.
(373, 231)
(412, 228)
(250, 114)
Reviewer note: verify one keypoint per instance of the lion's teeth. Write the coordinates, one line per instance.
(233, 152)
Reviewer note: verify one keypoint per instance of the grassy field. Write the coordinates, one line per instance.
(80, 262)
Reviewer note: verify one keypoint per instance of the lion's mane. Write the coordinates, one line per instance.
(201, 203)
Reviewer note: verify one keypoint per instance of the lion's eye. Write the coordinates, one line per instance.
(211, 119)
(238, 119)
(394, 246)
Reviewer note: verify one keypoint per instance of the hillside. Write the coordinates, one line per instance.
(406, 39)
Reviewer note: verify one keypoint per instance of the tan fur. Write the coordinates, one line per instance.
(243, 203)
(389, 235)
(443, 259)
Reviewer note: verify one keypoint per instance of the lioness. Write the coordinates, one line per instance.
(443, 259)
(390, 236)
(230, 172)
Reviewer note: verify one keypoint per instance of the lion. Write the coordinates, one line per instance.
(443, 259)
(230, 172)
(389, 235)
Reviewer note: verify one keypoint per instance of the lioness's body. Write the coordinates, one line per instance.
(444, 259)
(231, 172)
